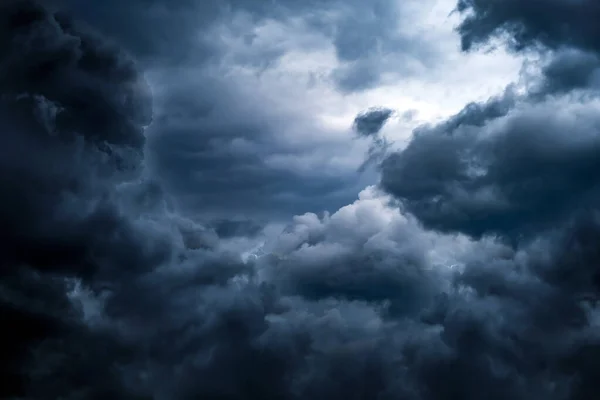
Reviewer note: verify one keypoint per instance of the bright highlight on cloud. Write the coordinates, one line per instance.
(299, 200)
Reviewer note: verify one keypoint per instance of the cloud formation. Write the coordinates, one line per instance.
(507, 166)
(505, 176)
(362, 34)
(111, 292)
(552, 23)
(211, 151)
(371, 121)
(219, 134)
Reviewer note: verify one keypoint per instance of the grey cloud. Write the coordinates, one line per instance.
(553, 23)
(409, 115)
(505, 166)
(231, 228)
(565, 28)
(567, 70)
(211, 149)
(357, 256)
(72, 114)
(356, 76)
(153, 307)
(517, 332)
(517, 171)
(368, 34)
(362, 33)
(370, 122)
(478, 114)
(154, 31)
(68, 73)
(206, 144)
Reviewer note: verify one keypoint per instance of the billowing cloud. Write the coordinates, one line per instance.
(76, 82)
(111, 292)
(225, 155)
(508, 165)
(516, 170)
(553, 23)
(362, 34)
(567, 70)
(220, 135)
(233, 117)
(73, 110)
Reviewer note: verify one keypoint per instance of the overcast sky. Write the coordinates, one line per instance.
(293, 200)
(255, 100)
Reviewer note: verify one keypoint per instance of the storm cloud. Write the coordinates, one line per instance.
(516, 171)
(218, 135)
(552, 23)
(371, 121)
(362, 34)
(411, 291)
(523, 160)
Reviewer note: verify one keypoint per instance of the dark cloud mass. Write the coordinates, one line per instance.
(567, 70)
(358, 30)
(370, 122)
(517, 170)
(213, 138)
(108, 291)
(528, 23)
(517, 161)
(211, 146)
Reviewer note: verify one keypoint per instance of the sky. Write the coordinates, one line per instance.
(290, 200)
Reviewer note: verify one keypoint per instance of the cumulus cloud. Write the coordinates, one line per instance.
(515, 171)
(111, 292)
(505, 166)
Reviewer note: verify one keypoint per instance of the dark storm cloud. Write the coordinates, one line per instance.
(507, 165)
(71, 78)
(371, 121)
(169, 32)
(505, 176)
(517, 165)
(73, 111)
(72, 115)
(568, 70)
(111, 293)
(527, 23)
(232, 228)
(566, 28)
(374, 262)
(214, 153)
(152, 29)
(368, 124)
(212, 149)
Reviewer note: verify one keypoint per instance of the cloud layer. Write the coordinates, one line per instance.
(470, 272)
